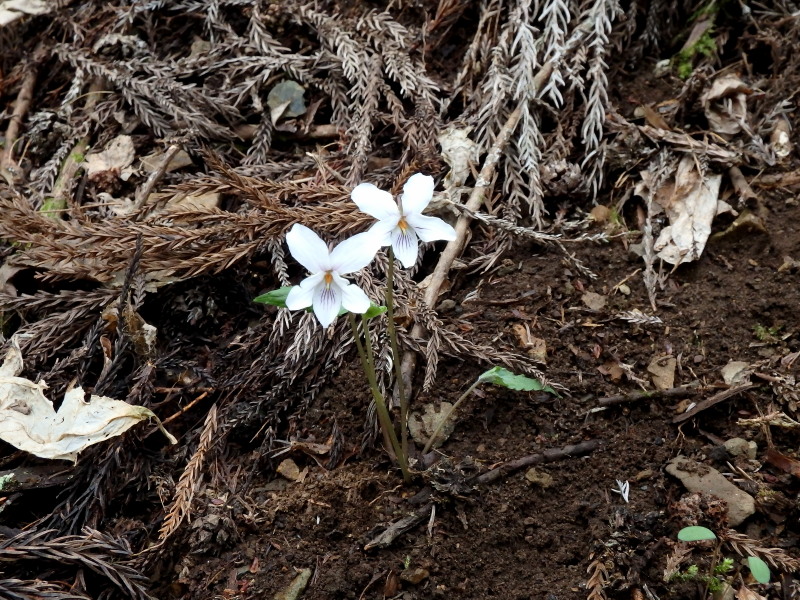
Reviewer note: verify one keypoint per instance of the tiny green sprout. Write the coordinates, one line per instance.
(724, 566)
(695, 534)
(759, 569)
(407, 562)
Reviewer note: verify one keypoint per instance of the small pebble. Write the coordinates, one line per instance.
(446, 305)
(698, 358)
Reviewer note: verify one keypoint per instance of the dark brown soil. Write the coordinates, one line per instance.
(512, 538)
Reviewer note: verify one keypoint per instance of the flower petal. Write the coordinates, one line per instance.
(431, 229)
(355, 253)
(375, 202)
(300, 297)
(327, 302)
(417, 193)
(308, 249)
(354, 299)
(405, 246)
(382, 230)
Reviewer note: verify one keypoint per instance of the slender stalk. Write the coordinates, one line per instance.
(448, 415)
(398, 370)
(387, 442)
(380, 404)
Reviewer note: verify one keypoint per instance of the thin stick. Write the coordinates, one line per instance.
(476, 199)
(683, 390)
(144, 192)
(398, 370)
(8, 166)
(709, 402)
(551, 455)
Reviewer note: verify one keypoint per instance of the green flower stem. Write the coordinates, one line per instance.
(398, 370)
(449, 414)
(368, 362)
(366, 367)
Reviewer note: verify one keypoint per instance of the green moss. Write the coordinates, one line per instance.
(705, 45)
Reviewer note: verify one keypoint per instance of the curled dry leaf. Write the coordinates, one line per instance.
(29, 422)
(725, 105)
(691, 208)
(116, 157)
(11, 10)
(461, 153)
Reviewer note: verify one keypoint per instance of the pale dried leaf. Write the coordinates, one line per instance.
(29, 422)
(11, 10)
(691, 208)
(725, 105)
(116, 156)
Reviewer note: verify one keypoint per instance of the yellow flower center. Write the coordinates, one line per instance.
(402, 224)
(328, 279)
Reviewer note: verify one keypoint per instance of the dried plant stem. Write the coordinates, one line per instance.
(476, 199)
(144, 192)
(368, 363)
(188, 482)
(401, 392)
(8, 166)
(446, 418)
(53, 206)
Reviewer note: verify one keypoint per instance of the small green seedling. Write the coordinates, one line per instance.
(758, 567)
(496, 376)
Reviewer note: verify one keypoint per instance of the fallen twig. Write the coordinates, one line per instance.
(8, 166)
(709, 402)
(398, 528)
(143, 193)
(453, 249)
(684, 390)
(550, 455)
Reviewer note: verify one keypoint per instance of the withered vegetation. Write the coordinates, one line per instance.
(90, 259)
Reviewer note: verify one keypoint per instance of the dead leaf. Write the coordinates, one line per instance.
(115, 157)
(11, 10)
(29, 422)
(612, 370)
(780, 140)
(691, 208)
(460, 153)
(422, 425)
(152, 162)
(725, 105)
(736, 372)
(745, 593)
(594, 301)
(662, 369)
(286, 100)
(289, 469)
(782, 462)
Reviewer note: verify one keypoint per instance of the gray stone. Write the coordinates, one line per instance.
(700, 478)
(740, 447)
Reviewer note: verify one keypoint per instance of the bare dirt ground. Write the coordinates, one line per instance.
(278, 485)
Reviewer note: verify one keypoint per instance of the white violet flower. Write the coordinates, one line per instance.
(325, 289)
(402, 226)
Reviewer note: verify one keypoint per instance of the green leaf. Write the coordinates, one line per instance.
(374, 310)
(759, 569)
(275, 297)
(505, 378)
(695, 534)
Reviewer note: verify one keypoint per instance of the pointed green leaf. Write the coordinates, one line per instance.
(759, 569)
(374, 310)
(695, 534)
(505, 378)
(275, 297)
